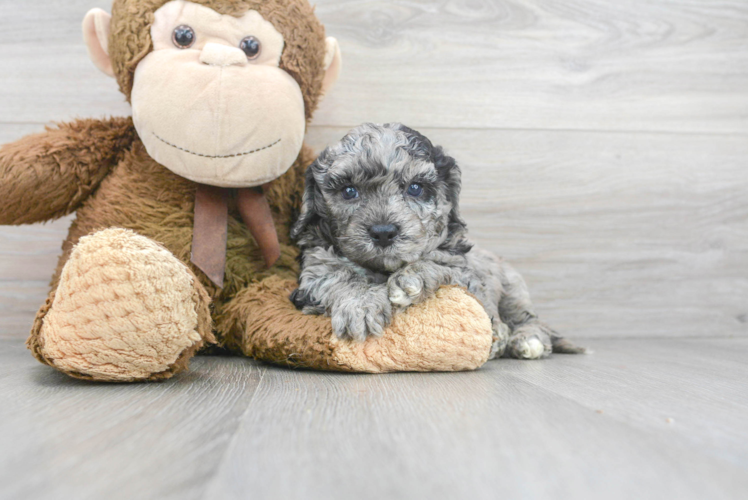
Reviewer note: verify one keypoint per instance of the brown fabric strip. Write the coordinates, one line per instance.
(210, 231)
(255, 211)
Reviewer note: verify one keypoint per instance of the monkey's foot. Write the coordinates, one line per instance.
(126, 309)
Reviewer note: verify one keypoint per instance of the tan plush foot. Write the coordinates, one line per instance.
(450, 332)
(125, 309)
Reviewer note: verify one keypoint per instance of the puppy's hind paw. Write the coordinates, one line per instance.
(531, 348)
(529, 342)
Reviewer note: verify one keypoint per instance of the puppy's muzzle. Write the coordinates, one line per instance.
(383, 235)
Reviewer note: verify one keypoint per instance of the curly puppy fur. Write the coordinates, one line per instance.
(380, 229)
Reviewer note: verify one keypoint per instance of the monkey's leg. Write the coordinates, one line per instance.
(125, 310)
(530, 338)
(449, 332)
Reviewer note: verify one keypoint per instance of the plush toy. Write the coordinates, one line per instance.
(181, 235)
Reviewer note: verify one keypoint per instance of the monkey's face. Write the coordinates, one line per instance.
(218, 94)
(210, 101)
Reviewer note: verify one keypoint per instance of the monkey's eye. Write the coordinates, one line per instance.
(415, 190)
(183, 36)
(251, 46)
(350, 192)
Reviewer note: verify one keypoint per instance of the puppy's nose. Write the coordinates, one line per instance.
(383, 235)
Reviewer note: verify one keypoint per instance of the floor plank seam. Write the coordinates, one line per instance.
(231, 443)
(709, 133)
(736, 134)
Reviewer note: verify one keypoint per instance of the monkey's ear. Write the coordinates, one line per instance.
(333, 64)
(96, 29)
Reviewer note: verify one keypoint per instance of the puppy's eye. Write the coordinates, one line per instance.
(350, 192)
(183, 36)
(251, 46)
(415, 190)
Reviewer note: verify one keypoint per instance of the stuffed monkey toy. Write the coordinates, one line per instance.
(181, 236)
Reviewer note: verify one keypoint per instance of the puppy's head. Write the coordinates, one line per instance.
(383, 196)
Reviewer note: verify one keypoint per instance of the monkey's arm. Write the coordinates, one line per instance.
(48, 175)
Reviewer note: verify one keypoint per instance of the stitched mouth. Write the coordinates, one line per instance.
(216, 156)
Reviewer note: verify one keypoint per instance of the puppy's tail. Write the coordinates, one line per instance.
(563, 346)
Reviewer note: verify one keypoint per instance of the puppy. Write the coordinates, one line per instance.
(380, 229)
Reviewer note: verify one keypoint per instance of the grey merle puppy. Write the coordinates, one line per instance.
(380, 229)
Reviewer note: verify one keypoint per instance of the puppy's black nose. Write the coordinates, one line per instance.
(383, 235)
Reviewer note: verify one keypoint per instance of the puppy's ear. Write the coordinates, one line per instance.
(313, 226)
(308, 215)
(449, 173)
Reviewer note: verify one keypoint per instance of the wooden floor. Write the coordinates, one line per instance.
(644, 419)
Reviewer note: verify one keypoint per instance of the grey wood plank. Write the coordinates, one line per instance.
(19, 302)
(696, 387)
(44, 64)
(512, 429)
(579, 64)
(582, 64)
(232, 428)
(30, 252)
(28, 257)
(62, 438)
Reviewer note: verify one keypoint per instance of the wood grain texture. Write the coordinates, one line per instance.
(577, 428)
(578, 64)
(645, 419)
(581, 64)
(63, 438)
(45, 72)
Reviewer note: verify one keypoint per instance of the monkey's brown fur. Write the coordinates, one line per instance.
(101, 170)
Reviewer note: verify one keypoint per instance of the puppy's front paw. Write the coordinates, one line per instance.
(406, 287)
(358, 317)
